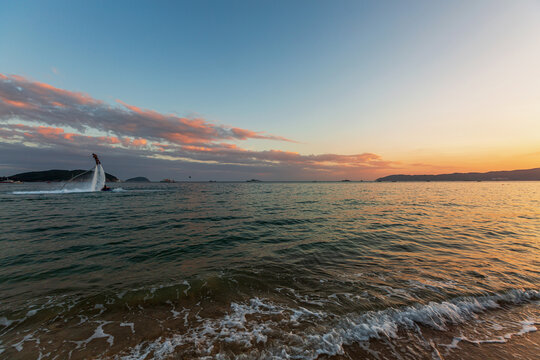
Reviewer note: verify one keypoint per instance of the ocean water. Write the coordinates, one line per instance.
(271, 271)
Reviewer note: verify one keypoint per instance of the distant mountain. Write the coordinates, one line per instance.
(138, 179)
(513, 175)
(54, 175)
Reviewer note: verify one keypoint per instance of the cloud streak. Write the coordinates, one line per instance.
(38, 115)
(34, 101)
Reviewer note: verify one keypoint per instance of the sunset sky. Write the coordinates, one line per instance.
(274, 90)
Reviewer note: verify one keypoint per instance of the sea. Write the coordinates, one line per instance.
(322, 270)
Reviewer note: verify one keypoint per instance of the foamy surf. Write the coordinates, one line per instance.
(265, 330)
(260, 328)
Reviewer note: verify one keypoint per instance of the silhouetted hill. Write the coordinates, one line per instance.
(54, 175)
(138, 179)
(513, 175)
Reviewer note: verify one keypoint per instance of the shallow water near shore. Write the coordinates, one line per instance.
(271, 270)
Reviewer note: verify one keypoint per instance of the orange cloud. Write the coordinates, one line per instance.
(109, 139)
(46, 104)
(49, 131)
(138, 110)
(18, 104)
(80, 98)
(149, 133)
(179, 138)
(198, 148)
(243, 134)
(139, 142)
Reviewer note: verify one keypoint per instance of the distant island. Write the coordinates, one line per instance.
(512, 175)
(54, 175)
(138, 179)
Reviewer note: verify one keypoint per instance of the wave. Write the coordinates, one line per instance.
(255, 324)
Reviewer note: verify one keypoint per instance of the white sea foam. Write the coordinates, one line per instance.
(188, 287)
(130, 325)
(100, 307)
(236, 327)
(98, 333)
(5, 321)
(265, 329)
(176, 314)
(307, 299)
(31, 312)
(20, 345)
(83, 319)
(526, 327)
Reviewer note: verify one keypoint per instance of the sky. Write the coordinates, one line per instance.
(273, 90)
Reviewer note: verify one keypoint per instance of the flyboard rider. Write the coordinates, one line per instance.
(96, 159)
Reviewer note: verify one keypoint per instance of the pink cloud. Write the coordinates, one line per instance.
(49, 131)
(148, 133)
(17, 104)
(43, 103)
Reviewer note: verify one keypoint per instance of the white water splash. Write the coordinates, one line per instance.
(98, 180)
(95, 184)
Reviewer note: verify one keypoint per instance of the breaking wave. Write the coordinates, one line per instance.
(263, 328)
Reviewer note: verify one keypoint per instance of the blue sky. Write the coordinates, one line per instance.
(410, 81)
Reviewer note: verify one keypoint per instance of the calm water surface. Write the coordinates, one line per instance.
(271, 270)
